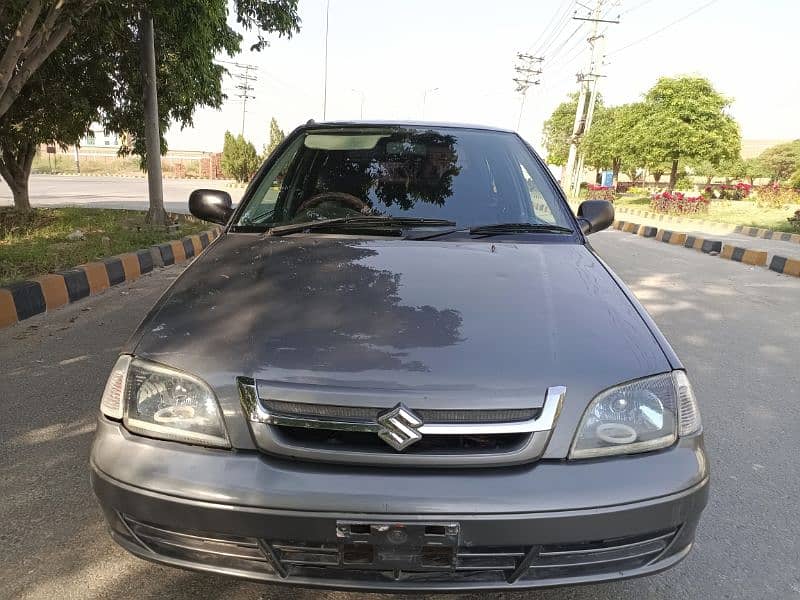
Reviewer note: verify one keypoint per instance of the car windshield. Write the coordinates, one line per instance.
(468, 176)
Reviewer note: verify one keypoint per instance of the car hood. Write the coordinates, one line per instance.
(455, 324)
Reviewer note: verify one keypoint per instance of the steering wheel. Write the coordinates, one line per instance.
(343, 198)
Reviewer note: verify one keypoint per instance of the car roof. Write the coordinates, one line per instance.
(415, 124)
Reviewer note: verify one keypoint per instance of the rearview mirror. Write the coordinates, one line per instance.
(595, 215)
(211, 205)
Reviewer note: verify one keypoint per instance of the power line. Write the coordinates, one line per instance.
(553, 19)
(636, 7)
(667, 26)
(553, 36)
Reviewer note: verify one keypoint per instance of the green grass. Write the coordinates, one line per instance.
(36, 243)
(739, 212)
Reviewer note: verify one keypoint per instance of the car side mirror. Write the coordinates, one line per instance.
(595, 215)
(211, 205)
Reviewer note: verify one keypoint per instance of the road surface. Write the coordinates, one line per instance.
(736, 328)
(111, 192)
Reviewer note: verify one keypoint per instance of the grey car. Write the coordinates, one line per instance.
(401, 367)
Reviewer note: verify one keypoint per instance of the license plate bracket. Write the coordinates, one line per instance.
(431, 546)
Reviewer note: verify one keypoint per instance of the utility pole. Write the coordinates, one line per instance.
(570, 178)
(325, 84)
(152, 132)
(528, 69)
(245, 88)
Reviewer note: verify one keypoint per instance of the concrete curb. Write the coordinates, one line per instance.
(785, 265)
(766, 234)
(24, 299)
(744, 255)
(780, 264)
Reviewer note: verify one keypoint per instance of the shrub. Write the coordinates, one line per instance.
(774, 196)
(239, 158)
(599, 192)
(678, 203)
(794, 181)
(795, 220)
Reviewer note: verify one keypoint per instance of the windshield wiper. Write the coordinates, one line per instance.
(501, 228)
(358, 222)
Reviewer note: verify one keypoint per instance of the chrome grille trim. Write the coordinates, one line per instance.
(360, 413)
(257, 412)
(281, 434)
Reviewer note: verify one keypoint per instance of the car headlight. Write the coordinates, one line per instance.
(639, 416)
(160, 402)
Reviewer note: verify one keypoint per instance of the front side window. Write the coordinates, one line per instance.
(471, 177)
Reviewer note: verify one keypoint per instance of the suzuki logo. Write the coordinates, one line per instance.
(399, 427)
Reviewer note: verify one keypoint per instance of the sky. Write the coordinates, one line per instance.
(453, 60)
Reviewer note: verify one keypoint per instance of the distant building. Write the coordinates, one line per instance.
(98, 137)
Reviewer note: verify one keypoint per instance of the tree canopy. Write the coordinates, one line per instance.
(276, 136)
(780, 161)
(681, 119)
(100, 41)
(239, 158)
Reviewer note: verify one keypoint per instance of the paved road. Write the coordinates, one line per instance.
(736, 328)
(111, 192)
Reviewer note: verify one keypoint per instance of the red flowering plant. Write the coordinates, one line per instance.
(775, 196)
(600, 192)
(679, 203)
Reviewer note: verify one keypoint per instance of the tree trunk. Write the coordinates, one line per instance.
(615, 167)
(16, 161)
(673, 174)
(657, 176)
(152, 133)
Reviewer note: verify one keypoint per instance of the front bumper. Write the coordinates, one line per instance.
(527, 541)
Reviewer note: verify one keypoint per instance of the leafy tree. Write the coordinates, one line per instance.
(685, 119)
(781, 161)
(239, 158)
(558, 129)
(59, 114)
(747, 168)
(612, 139)
(30, 31)
(794, 180)
(276, 136)
(189, 35)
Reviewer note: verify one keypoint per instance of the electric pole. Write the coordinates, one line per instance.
(528, 69)
(152, 132)
(571, 177)
(244, 87)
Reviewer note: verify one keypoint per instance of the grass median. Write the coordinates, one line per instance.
(37, 243)
(735, 212)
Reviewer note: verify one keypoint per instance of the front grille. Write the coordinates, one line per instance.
(324, 411)
(356, 441)
(396, 435)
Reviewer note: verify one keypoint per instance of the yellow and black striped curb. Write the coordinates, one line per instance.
(785, 265)
(671, 237)
(779, 264)
(744, 255)
(766, 234)
(702, 244)
(24, 299)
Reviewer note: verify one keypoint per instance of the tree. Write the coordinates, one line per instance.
(276, 136)
(780, 161)
(189, 35)
(558, 129)
(685, 119)
(239, 157)
(30, 31)
(611, 141)
(59, 114)
(794, 180)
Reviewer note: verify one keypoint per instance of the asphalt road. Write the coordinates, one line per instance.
(736, 328)
(111, 192)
